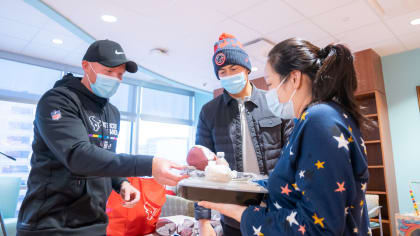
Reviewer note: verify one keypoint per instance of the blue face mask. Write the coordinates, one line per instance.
(105, 86)
(234, 84)
(282, 110)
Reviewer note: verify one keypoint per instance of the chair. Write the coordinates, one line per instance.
(8, 203)
(374, 210)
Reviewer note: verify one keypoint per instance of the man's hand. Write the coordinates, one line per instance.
(161, 171)
(129, 194)
(230, 210)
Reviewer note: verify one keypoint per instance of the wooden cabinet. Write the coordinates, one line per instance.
(371, 97)
(380, 159)
(369, 71)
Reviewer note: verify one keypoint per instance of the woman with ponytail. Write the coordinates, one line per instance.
(318, 185)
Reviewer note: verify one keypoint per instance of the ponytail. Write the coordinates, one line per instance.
(336, 79)
(330, 69)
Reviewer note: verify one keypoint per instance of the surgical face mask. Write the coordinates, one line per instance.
(105, 86)
(234, 84)
(282, 110)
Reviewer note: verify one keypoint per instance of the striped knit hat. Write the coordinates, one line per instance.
(229, 51)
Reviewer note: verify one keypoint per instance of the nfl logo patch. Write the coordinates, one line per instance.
(56, 115)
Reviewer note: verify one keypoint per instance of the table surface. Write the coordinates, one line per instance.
(233, 185)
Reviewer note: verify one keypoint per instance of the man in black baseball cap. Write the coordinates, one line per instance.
(74, 164)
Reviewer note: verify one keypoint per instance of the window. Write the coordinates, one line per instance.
(124, 137)
(121, 97)
(165, 124)
(165, 104)
(26, 78)
(169, 141)
(16, 140)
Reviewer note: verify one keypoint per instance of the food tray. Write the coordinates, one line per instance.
(242, 192)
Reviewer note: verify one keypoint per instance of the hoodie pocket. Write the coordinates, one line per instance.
(80, 213)
(58, 196)
(90, 207)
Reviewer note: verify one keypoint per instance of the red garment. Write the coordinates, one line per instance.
(141, 219)
(170, 192)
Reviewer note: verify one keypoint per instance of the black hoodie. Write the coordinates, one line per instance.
(75, 136)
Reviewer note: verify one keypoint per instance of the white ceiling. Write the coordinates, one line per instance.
(189, 28)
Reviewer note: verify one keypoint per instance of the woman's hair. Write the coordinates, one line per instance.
(330, 70)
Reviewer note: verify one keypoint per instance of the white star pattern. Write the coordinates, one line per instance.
(364, 187)
(342, 142)
(302, 174)
(345, 116)
(346, 210)
(257, 231)
(363, 145)
(292, 218)
(276, 204)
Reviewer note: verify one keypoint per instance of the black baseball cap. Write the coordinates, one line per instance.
(109, 54)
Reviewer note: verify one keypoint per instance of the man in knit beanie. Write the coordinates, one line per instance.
(239, 122)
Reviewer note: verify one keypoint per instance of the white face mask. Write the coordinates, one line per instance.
(234, 84)
(282, 110)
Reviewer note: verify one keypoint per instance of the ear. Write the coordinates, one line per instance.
(88, 72)
(296, 77)
(85, 65)
(247, 75)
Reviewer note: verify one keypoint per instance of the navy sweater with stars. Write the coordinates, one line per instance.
(318, 185)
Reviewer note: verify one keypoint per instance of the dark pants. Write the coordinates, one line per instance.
(230, 231)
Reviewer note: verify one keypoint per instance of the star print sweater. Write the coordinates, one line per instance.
(318, 185)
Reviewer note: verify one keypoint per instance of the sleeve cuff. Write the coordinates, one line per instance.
(116, 183)
(244, 222)
(144, 164)
(201, 213)
(248, 223)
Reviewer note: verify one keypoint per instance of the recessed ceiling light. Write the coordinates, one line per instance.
(254, 68)
(109, 18)
(57, 41)
(415, 21)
